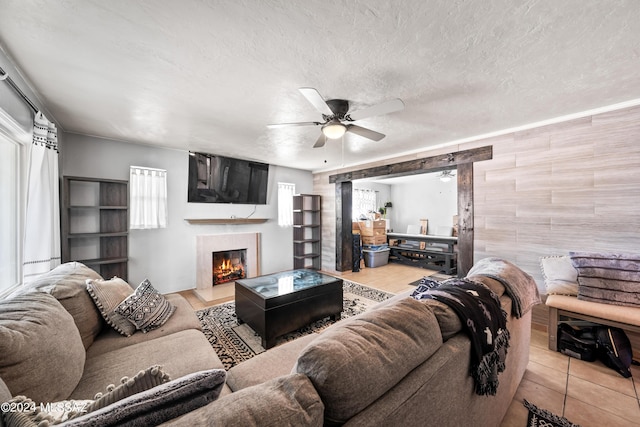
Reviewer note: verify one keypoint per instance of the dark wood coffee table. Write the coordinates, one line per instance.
(276, 304)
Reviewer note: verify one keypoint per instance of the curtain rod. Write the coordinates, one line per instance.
(5, 77)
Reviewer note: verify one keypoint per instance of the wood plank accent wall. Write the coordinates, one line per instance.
(569, 186)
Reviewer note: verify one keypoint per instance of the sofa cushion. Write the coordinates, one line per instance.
(276, 362)
(67, 282)
(146, 308)
(560, 277)
(107, 294)
(609, 278)
(182, 319)
(41, 351)
(448, 320)
(285, 401)
(352, 363)
(179, 354)
(5, 396)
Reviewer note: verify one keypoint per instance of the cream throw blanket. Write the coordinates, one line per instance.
(518, 285)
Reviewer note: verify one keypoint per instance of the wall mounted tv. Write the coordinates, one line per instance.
(218, 179)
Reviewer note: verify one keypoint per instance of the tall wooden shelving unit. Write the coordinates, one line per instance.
(95, 224)
(307, 244)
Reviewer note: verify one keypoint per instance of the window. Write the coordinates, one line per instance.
(11, 213)
(285, 204)
(148, 197)
(364, 202)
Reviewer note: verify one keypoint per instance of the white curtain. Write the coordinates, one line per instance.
(42, 219)
(148, 188)
(285, 204)
(363, 203)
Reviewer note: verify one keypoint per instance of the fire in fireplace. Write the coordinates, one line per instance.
(229, 266)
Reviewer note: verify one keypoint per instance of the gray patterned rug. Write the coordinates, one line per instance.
(235, 342)
(539, 417)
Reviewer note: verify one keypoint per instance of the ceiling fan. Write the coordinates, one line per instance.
(337, 119)
(446, 175)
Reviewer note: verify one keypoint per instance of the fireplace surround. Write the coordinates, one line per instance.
(206, 244)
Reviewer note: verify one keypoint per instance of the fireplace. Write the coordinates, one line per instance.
(229, 266)
(206, 244)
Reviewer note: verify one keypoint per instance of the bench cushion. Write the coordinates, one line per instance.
(628, 315)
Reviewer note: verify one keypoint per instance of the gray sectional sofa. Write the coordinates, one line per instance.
(405, 362)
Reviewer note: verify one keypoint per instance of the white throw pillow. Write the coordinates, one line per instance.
(560, 277)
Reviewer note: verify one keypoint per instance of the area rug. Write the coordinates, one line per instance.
(542, 418)
(235, 342)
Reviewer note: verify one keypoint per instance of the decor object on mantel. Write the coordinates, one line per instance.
(542, 418)
(204, 221)
(235, 342)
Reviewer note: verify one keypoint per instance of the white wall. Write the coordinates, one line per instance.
(425, 197)
(167, 256)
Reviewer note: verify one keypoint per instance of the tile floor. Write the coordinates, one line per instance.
(586, 393)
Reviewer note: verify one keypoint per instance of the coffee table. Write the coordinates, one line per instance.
(276, 304)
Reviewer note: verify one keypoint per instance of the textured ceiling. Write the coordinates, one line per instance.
(210, 75)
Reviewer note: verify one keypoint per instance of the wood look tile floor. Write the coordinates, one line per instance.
(586, 393)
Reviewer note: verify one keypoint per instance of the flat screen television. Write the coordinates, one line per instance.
(218, 179)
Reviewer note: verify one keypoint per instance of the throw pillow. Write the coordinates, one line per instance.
(148, 398)
(158, 404)
(107, 294)
(146, 308)
(41, 351)
(560, 277)
(609, 278)
(24, 412)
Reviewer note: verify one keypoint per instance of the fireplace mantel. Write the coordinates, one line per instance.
(196, 221)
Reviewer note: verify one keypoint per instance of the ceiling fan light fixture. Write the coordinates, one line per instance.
(446, 176)
(334, 129)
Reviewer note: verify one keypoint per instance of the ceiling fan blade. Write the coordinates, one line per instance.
(281, 125)
(321, 141)
(367, 133)
(314, 97)
(377, 110)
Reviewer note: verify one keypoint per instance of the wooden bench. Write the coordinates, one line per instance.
(445, 262)
(564, 307)
(441, 256)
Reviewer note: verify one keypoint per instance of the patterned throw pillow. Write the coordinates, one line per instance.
(107, 294)
(146, 308)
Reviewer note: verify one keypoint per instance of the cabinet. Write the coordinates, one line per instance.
(307, 249)
(95, 224)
